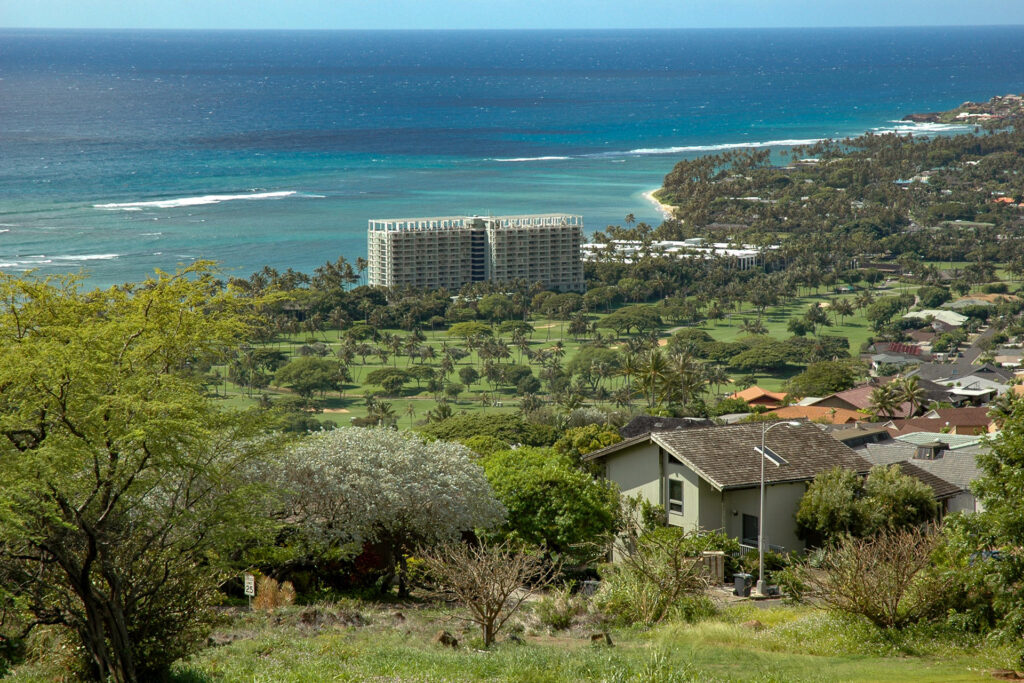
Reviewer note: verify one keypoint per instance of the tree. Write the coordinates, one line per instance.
(309, 374)
(657, 571)
(355, 485)
(839, 503)
(639, 318)
(491, 580)
(1001, 522)
(884, 401)
(468, 375)
(512, 429)
(117, 473)
(469, 330)
(579, 441)
(909, 390)
(882, 578)
(825, 378)
(552, 503)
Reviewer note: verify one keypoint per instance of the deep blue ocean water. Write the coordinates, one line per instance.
(122, 152)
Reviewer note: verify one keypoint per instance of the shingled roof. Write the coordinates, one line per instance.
(725, 456)
(941, 488)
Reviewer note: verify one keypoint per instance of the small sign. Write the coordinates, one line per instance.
(250, 585)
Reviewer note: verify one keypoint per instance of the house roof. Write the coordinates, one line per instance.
(955, 441)
(755, 392)
(836, 416)
(942, 418)
(961, 416)
(948, 317)
(860, 397)
(941, 488)
(726, 458)
(973, 385)
(922, 335)
(958, 467)
(858, 431)
(644, 424)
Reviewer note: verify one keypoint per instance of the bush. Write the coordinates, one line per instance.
(773, 562)
(484, 445)
(560, 607)
(657, 577)
(270, 594)
(882, 579)
(552, 503)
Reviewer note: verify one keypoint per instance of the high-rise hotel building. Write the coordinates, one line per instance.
(452, 251)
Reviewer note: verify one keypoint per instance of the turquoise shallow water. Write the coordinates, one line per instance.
(121, 152)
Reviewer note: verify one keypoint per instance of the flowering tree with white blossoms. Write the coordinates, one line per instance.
(357, 485)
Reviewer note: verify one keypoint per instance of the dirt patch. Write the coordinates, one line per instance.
(663, 342)
(337, 410)
(560, 641)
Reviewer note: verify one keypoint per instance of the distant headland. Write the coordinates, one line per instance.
(999, 108)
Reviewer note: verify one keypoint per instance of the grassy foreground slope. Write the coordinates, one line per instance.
(384, 644)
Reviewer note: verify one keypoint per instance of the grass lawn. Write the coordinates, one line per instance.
(414, 402)
(359, 642)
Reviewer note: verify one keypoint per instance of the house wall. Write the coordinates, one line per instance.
(637, 471)
(780, 505)
(711, 510)
(963, 502)
(693, 496)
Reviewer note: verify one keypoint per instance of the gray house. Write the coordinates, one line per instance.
(709, 478)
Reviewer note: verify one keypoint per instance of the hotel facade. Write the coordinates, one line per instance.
(452, 251)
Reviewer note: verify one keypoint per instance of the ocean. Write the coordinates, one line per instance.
(126, 151)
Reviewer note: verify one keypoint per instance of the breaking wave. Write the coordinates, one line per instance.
(196, 201)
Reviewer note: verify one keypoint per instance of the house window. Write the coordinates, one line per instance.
(750, 529)
(675, 496)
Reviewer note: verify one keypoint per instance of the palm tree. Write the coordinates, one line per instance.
(1003, 407)
(652, 372)
(883, 401)
(910, 391)
(842, 308)
(753, 327)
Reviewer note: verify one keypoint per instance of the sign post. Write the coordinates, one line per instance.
(250, 588)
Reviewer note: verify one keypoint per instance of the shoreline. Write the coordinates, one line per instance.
(666, 210)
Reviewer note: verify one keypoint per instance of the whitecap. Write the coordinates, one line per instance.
(193, 201)
(86, 257)
(923, 127)
(521, 159)
(715, 148)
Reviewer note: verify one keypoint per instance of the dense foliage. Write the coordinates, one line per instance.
(117, 474)
(839, 503)
(552, 503)
(354, 486)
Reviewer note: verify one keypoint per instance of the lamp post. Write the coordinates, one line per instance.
(761, 583)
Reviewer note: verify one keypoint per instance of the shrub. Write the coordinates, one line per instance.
(773, 562)
(882, 578)
(270, 594)
(552, 503)
(491, 580)
(559, 607)
(656, 578)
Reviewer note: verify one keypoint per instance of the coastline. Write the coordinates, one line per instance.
(666, 210)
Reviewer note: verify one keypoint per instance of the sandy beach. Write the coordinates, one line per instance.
(666, 210)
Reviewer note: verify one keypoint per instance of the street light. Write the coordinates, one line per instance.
(761, 583)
